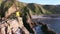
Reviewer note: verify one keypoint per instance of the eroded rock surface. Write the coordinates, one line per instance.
(12, 27)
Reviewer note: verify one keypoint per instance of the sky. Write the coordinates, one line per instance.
(48, 2)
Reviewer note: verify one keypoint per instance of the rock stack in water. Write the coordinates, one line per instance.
(47, 30)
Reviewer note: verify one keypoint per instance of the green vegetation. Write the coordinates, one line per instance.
(34, 8)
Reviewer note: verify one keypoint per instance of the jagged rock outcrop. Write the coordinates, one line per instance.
(12, 26)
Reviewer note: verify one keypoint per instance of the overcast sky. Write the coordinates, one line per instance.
(53, 2)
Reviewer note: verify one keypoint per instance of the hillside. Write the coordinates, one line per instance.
(44, 9)
(35, 8)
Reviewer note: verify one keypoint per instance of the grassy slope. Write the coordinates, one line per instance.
(36, 8)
